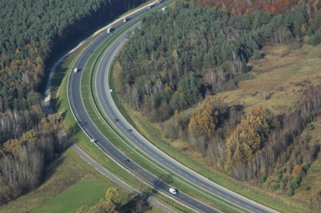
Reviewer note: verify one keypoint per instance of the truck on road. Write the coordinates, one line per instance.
(110, 29)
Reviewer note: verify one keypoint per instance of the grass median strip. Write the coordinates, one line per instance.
(102, 123)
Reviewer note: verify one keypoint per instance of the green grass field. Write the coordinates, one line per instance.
(85, 192)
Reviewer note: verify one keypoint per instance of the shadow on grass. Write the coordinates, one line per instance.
(55, 104)
(51, 168)
(73, 131)
(137, 204)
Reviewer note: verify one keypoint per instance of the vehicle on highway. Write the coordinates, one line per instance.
(110, 29)
(150, 6)
(126, 19)
(75, 70)
(93, 140)
(173, 191)
(116, 119)
(130, 130)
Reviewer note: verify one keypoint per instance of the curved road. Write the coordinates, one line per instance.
(79, 111)
(110, 109)
(112, 112)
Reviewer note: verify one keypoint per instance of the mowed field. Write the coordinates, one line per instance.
(279, 78)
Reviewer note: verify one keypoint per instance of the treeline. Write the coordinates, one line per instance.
(33, 33)
(23, 159)
(165, 70)
(249, 6)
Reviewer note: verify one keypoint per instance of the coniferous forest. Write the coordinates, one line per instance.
(173, 67)
(32, 34)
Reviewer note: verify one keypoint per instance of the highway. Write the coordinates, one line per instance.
(116, 180)
(107, 104)
(110, 109)
(83, 119)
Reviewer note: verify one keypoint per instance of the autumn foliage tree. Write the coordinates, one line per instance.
(112, 195)
(297, 170)
(249, 136)
(207, 117)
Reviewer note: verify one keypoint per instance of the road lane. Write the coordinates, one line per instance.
(80, 113)
(109, 107)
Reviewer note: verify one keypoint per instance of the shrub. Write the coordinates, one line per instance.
(279, 175)
(285, 53)
(262, 179)
(283, 182)
(275, 186)
(310, 127)
(257, 55)
(295, 183)
(305, 167)
(295, 46)
(297, 170)
(290, 192)
(307, 188)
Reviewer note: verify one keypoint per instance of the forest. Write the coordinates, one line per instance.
(32, 34)
(166, 71)
(172, 68)
(274, 7)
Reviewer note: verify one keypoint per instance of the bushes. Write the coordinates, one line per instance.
(257, 55)
(262, 179)
(290, 192)
(295, 183)
(275, 186)
(283, 182)
(316, 38)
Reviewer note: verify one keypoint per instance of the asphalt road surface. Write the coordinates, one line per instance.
(104, 97)
(79, 111)
(113, 178)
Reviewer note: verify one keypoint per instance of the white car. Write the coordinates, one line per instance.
(125, 19)
(173, 191)
(75, 70)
